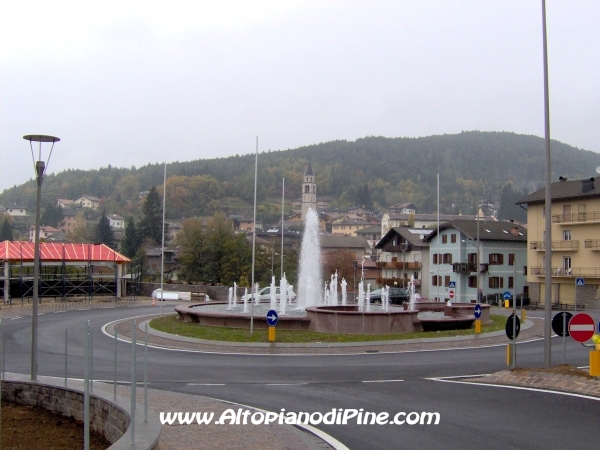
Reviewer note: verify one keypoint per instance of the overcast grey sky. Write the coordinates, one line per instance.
(130, 83)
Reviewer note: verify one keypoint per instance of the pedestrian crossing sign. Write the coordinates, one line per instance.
(579, 282)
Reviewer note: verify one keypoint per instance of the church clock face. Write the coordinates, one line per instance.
(306, 197)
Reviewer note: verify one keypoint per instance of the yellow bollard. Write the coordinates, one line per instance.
(507, 303)
(271, 334)
(477, 326)
(595, 363)
(508, 355)
(523, 315)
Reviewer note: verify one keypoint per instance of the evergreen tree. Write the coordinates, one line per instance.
(151, 223)
(6, 233)
(508, 207)
(103, 233)
(52, 215)
(131, 240)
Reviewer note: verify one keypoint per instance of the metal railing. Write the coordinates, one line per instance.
(556, 245)
(574, 218)
(594, 244)
(573, 272)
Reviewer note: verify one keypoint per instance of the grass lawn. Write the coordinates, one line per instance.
(169, 324)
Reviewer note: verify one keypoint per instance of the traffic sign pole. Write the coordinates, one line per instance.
(564, 336)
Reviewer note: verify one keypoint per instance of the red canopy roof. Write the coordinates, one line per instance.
(17, 251)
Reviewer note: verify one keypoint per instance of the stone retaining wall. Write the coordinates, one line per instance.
(109, 417)
(105, 418)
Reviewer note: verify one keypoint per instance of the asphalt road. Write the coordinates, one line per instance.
(472, 416)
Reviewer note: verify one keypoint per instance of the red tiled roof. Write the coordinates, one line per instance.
(15, 251)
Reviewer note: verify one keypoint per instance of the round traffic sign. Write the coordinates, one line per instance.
(509, 327)
(581, 327)
(557, 323)
(272, 318)
(477, 311)
(451, 294)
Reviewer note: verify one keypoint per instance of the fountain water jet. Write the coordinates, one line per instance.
(309, 282)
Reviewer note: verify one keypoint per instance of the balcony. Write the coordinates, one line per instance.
(593, 244)
(469, 268)
(576, 218)
(573, 272)
(398, 248)
(557, 246)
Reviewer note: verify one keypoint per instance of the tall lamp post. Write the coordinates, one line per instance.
(40, 168)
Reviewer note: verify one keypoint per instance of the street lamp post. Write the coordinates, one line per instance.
(40, 167)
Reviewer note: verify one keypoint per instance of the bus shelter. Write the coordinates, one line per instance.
(66, 270)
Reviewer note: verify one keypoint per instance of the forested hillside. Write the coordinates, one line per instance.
(372, 171)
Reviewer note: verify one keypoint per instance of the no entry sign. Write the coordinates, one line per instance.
(581, 327)
(451, 294)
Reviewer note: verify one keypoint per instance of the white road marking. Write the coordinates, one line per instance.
(285, 384)
(15, 318)
(522, 388)
(206, 384)
(380, 381)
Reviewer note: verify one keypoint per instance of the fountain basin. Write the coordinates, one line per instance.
(202, 314)
(456, 309)
(447, 323)
(349, 320)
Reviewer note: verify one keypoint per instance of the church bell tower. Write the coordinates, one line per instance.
(309, 191)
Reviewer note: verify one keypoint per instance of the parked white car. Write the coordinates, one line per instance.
(264, 294)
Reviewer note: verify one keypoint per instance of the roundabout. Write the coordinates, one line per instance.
(391, 377)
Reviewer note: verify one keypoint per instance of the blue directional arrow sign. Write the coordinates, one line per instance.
(506, 295)
(477, 311)
(579, 282)
(452, 285)
(272, 318)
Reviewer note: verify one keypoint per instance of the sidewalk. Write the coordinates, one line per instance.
(194, 436)
(563, 378)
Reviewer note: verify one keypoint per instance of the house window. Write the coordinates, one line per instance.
(496, 258)
(444, 239)
(566, 235)
(472, 258)
(567, 265)
(447, 280)
(472, 282)
(511, 282)
(496, 282)
(511, 259)
(436, 280)
(447, 258)
(524, 270)
(453, 238)
(435, 258)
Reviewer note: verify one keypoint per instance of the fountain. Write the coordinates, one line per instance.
(283, 291)
(273, 297)
(317, 305)
(230, 298)
(309, 282)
